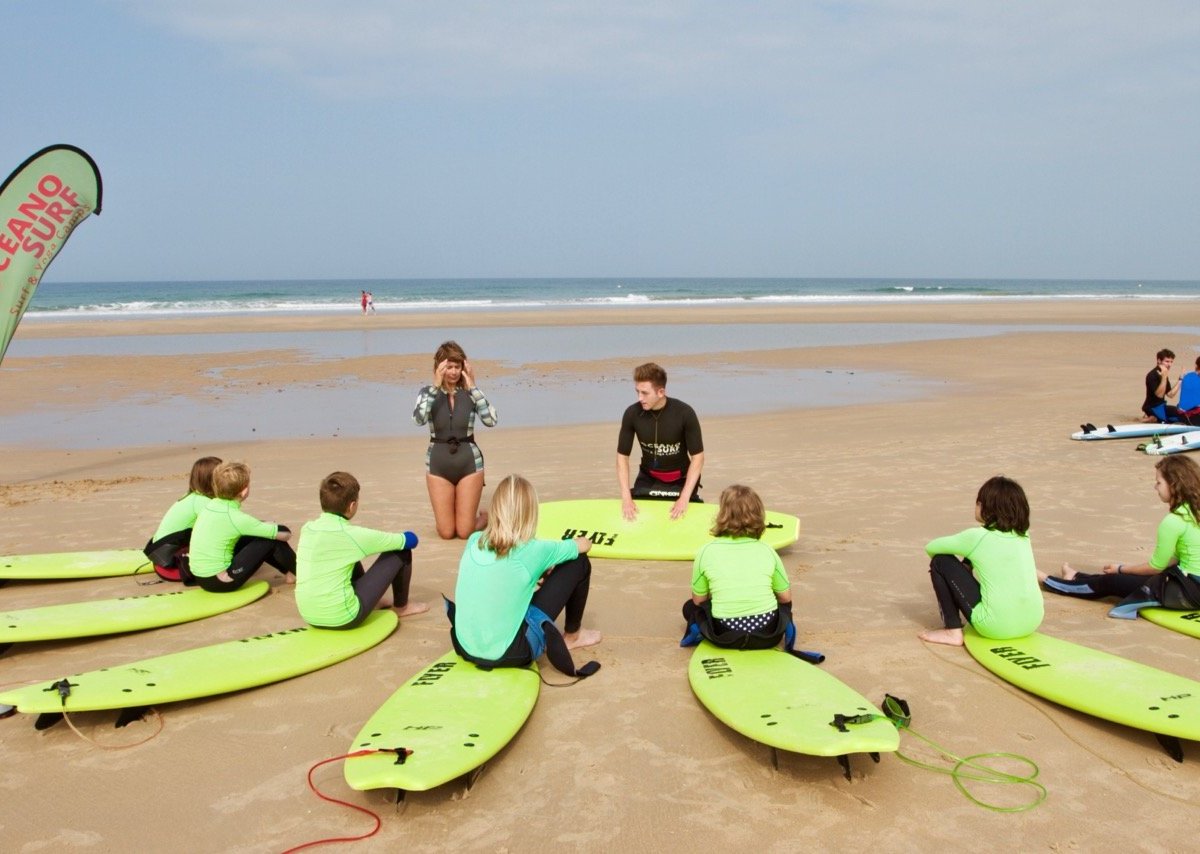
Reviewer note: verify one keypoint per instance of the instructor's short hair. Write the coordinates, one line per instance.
(1164, 354)
(338, 491)
(1003, 505)
(650, 373)
(229, 479)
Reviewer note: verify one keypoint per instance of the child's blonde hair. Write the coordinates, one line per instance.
(512, 516)
(229, 479)
(741, 513)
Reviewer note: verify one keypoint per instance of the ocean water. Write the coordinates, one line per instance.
(141, 299)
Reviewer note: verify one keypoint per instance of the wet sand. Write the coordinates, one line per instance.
(628, 759)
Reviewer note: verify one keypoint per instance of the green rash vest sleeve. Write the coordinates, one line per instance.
(779, 581)
(961, 544)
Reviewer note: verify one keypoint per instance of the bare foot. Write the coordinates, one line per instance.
(949, 637)
(481, 520)
(583, 637)
(1068, 572)
(289, 578)
(412, 609)
(1042, 576)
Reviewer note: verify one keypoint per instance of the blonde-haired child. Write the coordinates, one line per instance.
(511, 587)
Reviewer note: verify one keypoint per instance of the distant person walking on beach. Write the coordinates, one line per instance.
(364, 302)
(1159, 390)
(370, 303)
(668, 433)
(454, 462)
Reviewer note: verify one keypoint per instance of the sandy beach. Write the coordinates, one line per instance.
(627, 760)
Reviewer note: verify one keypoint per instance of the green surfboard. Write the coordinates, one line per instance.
(205, 671)
(126, 614)
(654, 535)
(62, 565)
(775, 698)
(452, 716)
(1094, 682)
(1184, 622)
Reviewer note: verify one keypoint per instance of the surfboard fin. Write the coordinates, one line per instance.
(47, 719)
(128, 716)
(844, 761)
(1171, 744)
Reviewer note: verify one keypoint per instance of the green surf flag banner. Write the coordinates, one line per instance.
(40, 205)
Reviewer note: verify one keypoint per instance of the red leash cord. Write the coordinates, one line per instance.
(333, 800)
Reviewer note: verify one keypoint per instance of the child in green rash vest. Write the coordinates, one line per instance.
(511, 587)
(1177, 483)
(995, 584)
(740, 591)
(229, 545)
(332, 588)
(168, 548)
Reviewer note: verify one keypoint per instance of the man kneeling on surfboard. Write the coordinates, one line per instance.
(741, 597)
(668, 433)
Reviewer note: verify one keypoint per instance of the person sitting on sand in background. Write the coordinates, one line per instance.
(454, 463)
(668, 433)
(512, 587)
(994, 584)
(228, 544)
(168, 548)
(332, 589)
(1177, 544)
(740, 590)
(1159, 390)
(1189, 395)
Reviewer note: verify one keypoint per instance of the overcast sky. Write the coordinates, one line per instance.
(380, 138)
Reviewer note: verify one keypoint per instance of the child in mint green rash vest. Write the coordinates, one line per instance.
(994, 584)
(168, 548)
(228, 544)
(332, 588)
(740, 591)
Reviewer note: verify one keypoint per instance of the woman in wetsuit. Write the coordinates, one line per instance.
(454, 462)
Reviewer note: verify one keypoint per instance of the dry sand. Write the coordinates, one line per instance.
(628, 760)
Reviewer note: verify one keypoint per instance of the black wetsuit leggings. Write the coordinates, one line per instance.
(250, 553)
(565, 589)
(1098, 585)
(390, 568)
(956, 589)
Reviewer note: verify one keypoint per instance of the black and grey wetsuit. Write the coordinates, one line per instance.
(453, 453)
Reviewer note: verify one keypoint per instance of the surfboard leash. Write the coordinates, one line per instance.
(965, 768)
(402, 753)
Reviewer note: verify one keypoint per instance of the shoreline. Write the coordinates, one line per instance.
(1142, 311)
